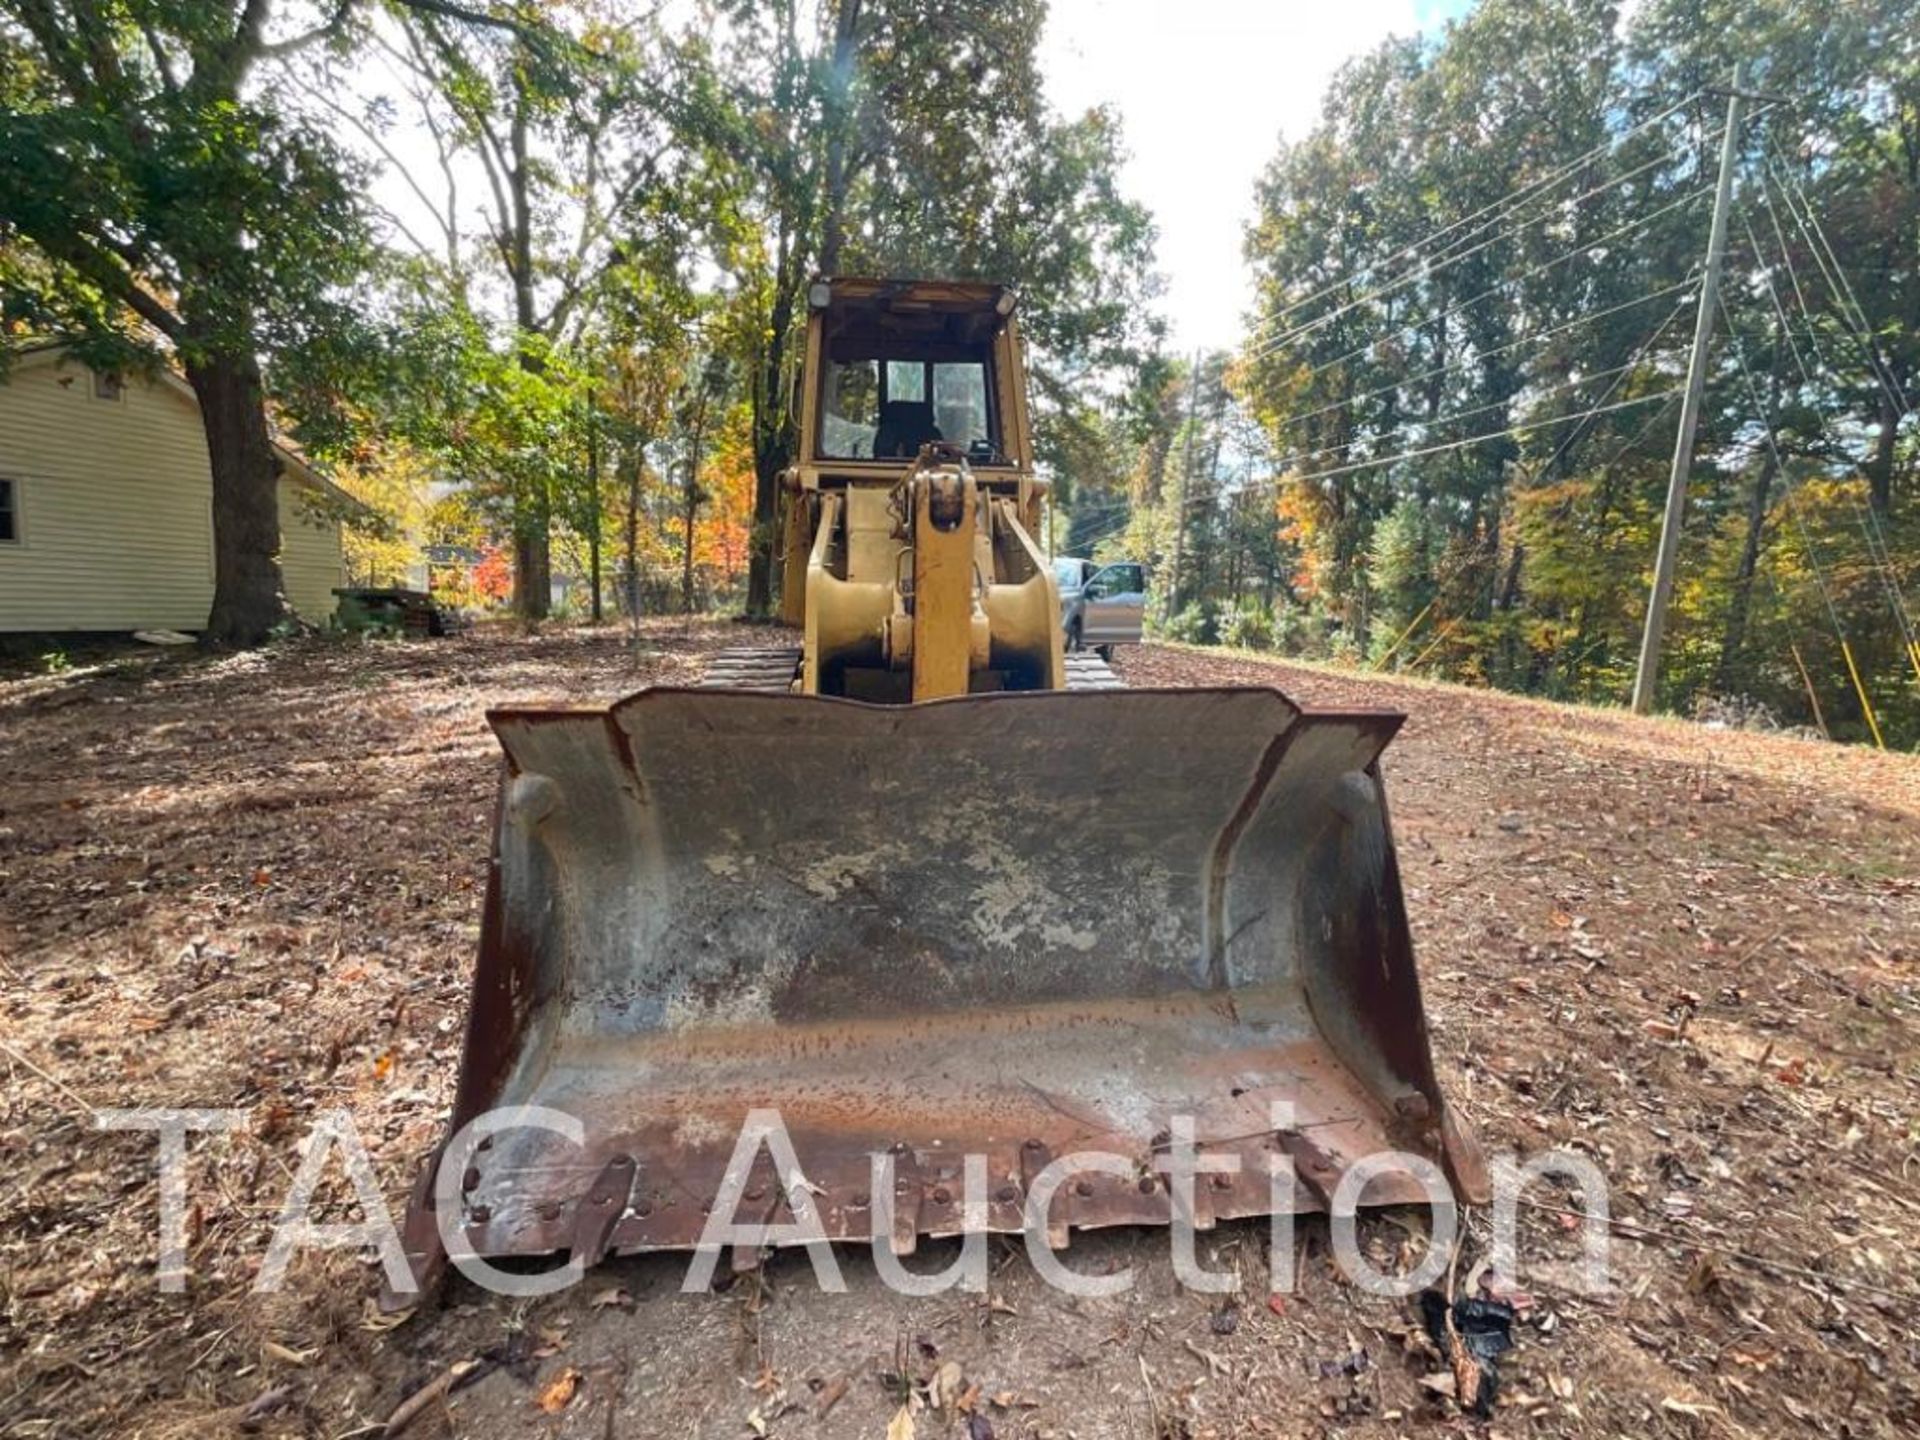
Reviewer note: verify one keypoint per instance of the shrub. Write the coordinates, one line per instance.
(1192, 626)
(1248, 626)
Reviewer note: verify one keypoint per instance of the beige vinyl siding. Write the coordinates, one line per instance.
(312, 561)
(115, 509)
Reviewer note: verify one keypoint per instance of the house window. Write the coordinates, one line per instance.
(9, 513)
(107, 386)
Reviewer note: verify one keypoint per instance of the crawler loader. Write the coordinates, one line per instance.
(929, 886)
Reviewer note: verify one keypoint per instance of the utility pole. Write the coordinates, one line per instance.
(1180, 511)
(1646, 679)
(691, 500)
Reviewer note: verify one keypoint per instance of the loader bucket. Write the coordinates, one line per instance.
(1013, 925)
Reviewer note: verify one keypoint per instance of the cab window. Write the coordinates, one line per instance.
(886, 408)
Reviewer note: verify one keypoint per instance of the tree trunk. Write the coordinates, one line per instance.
(593, 509)
(692, 502)
(767, 465)
(839, 119)
(634, 462)
(1509, 596)
(1880, 467)
(248, 597)
(772, 443)
(533, 514)
(1740, 602)
(532, 564)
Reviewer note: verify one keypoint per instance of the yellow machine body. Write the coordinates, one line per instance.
(910, 557)
(930, 887)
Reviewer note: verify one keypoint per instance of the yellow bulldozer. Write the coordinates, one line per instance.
(930, 886)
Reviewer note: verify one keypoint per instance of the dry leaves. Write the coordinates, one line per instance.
(138, 946)
(558, 1393)
(831, 1395)
(946, 1386)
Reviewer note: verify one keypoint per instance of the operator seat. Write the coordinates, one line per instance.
(905, 425)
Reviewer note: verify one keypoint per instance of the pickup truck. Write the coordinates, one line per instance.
(1101, 605)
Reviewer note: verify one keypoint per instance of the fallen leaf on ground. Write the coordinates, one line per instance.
(901, 1427)
(1687, 1407)
(559, 1394)
(945, 1387)
(831, 1396)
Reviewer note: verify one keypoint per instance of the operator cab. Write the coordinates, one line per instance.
(905, 363)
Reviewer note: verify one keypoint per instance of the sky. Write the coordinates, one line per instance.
(1205, 90)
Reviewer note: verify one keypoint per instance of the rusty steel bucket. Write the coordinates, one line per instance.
(1013, 925)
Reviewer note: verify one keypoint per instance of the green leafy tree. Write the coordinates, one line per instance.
(159, 207)
(1475, 279)
(157, 211)
(564, 123)
(887, 136)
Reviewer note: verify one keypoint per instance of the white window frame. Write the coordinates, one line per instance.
(17, 506)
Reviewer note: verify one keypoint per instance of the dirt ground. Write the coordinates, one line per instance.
(253, 882)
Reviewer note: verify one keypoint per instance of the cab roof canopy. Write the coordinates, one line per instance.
(867, 313)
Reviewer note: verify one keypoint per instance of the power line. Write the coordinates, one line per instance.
(1435, 265)
(1478, 356)
(1835, 281)
(1764, 414)
(1768, 423)
(1495, 210)
(1604, 407)
(1509, 431)
(1639, 355)
(1880, 553)
(1439, 420)
(1508, 283)
(1773, 295)
(1273, 483)
(1773, 215)
(1876, 544)
(1847, 297)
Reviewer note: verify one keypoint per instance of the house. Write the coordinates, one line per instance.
(106, 505)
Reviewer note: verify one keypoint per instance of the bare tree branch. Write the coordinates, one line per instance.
(446, 9)
(160, 61)
(89, 257)
(375, 139)
(489, 146)
(332, 26)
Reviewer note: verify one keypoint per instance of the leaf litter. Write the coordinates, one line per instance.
(253, 883)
